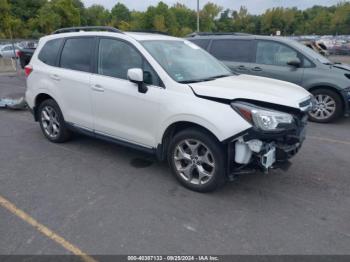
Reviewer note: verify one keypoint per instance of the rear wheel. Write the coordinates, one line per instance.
(197, 160)
(328, 106)
(52, 122)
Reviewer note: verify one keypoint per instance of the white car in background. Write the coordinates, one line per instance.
(165, 96)
(7, 51)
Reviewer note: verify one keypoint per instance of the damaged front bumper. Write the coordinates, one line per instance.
(256, 150)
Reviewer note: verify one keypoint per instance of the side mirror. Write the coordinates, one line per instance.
(294, 63)
(135, 75)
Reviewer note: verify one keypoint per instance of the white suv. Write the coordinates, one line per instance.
(166, 96)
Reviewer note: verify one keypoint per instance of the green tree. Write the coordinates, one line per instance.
(207, 17)
(81, 7)
(243, 21)
(48, 19)
(153, 17)
(120, 13)
(159, 23)
(5, 19)
(96, 15)
(10, 26)
(185, 19)
(25, 10)
(341, 19)
(225, 22)
(57, 14)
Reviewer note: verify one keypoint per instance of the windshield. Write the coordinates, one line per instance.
(312, 53)
(185, 62)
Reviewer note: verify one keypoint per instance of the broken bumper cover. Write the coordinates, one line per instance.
(17, 103)
(257, 150)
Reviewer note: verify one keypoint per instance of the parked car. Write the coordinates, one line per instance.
(25, 52)
(165, 96)
(288, 60)
(7, 51)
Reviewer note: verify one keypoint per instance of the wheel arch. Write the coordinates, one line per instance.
(175, 128)
(41, 97)
(330, 88)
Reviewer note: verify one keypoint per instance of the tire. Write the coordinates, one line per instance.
(329, 106)
(52, 122)
(193, 152)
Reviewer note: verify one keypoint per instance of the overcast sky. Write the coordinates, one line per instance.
(254, 6)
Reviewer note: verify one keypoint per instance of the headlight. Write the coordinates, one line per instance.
(263, 118)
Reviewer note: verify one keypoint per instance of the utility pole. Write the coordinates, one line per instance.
(197, 15)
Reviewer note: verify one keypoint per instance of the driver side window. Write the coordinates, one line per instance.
(273, 53)
(117, 57)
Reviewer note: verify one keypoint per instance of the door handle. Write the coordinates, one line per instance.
(98, 88)
(242, 67)
(55, 77)
(257, 69)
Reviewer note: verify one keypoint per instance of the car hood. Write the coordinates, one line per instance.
(253, 88)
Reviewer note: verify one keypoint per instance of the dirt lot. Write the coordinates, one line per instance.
(99, 197)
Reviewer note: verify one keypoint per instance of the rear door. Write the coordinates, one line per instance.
(73, 80)
(237, 54)
(271, 61)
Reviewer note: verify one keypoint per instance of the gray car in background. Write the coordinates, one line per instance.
(288, 60)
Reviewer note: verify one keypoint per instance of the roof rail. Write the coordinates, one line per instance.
(87, 28)
(216, 33)
(149, 31)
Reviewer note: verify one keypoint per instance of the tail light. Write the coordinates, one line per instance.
(18, 53)
(27, 70)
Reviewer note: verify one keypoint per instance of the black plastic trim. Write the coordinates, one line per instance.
(87, 28)
(111, 139)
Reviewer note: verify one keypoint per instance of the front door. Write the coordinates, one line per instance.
(119, 109)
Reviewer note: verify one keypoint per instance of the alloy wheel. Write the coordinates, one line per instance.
(324, 108)
(194, 161)
(50, 121)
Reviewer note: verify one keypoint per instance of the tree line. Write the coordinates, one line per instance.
(34, 18)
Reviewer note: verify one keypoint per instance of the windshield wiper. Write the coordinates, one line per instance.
(221, 76)
(197, 80)
(332, 63)
(203, 79)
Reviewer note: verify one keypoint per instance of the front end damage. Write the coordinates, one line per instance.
(256, 150)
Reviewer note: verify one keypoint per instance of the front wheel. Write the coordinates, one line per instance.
(197, 160)
(328, 106)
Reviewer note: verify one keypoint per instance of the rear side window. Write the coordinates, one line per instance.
(76, 54)
(203, 43)
(233, 50)
(49, 52)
